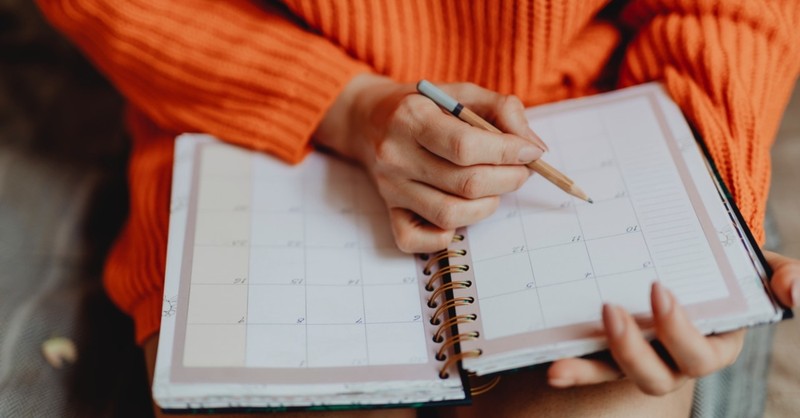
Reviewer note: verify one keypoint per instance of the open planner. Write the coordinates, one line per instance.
(284, 287)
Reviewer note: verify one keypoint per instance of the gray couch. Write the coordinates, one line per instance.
(62, 200)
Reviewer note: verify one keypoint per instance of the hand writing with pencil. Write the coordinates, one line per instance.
(435, 172)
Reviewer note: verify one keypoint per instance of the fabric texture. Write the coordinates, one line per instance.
(62, 201)
(262, 76)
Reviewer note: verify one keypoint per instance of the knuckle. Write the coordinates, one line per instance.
(511, 102)
(464, 89)
(387, 156)
(400, 114)
(404, 240)
(409, 112)
(656, 387)
(509, 152)
(443, 240)
(472, 89)
(406, 105)
(471, 185)
(446, 215)
(460, 150)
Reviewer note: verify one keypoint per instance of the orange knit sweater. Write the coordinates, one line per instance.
(262, 76)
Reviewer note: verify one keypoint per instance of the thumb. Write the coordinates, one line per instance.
(785, 282)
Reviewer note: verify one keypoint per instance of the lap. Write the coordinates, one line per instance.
(520, 394)
(150, 357)
(527, 394)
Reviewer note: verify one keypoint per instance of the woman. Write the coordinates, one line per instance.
(278, 76)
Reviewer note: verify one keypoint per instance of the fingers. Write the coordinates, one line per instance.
(785, 282)
(683, 352)
(635, 356)
(694, 354)
(414, 235)
(465, 145)
(506, 112)
(462, 144)
(579, 371)
(446, 211)
(470, 182)
(688, 353)
(431, 166)
(424, 219)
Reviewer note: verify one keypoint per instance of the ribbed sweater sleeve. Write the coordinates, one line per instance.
(245, 73)
(730, 65)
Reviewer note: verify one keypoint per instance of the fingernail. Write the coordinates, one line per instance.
(796, 293)
(535, 138)
(661, 299)
(561, 382)
(528, 154)
(613, 320)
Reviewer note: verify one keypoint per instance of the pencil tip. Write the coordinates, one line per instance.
(589, 199)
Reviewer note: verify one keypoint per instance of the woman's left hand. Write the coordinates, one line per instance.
(690, 353)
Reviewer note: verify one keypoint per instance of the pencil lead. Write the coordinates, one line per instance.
(589, 199)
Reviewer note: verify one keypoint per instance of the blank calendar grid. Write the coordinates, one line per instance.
(557, 248)
(279, 279)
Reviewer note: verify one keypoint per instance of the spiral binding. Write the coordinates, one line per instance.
(441, 255)
(460, 268)
(450, 303)
(480, 389)
(455, 359)
(459, 319)
(453, 340)
(441, 290)
(438, 318)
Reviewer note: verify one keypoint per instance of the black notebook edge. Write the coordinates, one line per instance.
(729, 201)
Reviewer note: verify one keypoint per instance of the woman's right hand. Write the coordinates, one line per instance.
(435, 172)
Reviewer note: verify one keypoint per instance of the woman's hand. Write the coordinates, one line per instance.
(435, 172)
(691, 354)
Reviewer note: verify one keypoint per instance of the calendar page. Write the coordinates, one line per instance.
(285, 288)
(545, 262)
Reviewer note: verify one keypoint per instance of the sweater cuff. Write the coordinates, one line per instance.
(242, 71)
